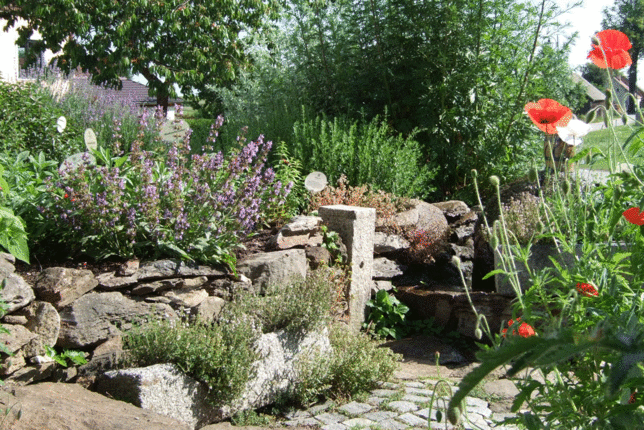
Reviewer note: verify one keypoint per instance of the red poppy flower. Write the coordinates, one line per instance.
(548, 114)
(66, 195)
(525, 329)
(586, 289)
(634, 216)
(615, 46)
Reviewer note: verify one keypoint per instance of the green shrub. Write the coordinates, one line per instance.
(367, 153)
(201, 131)
(299, 306)
(28, 115)
(356, 366)
(218, 355)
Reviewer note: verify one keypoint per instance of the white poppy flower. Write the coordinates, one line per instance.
(573, 132)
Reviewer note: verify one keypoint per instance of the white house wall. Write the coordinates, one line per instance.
(9, 51)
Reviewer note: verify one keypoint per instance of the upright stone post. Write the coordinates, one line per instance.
(356, 226)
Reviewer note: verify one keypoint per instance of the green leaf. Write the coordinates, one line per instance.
(494, 273)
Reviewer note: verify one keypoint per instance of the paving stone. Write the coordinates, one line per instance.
(403, 406)
(297, 415)
(331, 418)
(380, 415)
(334, 426)
(302, 422)
(474, 401)
(320, 408)
(384, 392)
(424, 413)
(389, 385)
(358, 422)
(419, 391)
(412, 420)
(416, 399)
(414, 384)
(375, 401)
(391, 424)
(355, 408)
(483, 411)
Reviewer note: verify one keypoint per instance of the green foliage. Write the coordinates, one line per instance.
(356, 365)
(267, 97)
(358, 58)
(13, 236)
(77, 358)
(218, 355)
(170, 43)
(201, 131)
(364, 152)
(251, 418)
(299, 306)
(386, 316)
(586, 313)
(28, 115)
(288, 172)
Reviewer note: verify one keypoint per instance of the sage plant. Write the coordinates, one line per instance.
(166, 202)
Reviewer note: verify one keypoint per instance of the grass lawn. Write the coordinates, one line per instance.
(603, 139)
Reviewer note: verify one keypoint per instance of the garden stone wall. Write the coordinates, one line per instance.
(72, 308)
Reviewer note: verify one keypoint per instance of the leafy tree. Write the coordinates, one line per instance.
(627, 16)
(460, 70)
(594, 75)
(187, 43)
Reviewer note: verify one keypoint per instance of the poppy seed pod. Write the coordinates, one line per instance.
(533, 174)
(495, 181)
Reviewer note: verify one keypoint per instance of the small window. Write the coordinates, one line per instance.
(28, 59)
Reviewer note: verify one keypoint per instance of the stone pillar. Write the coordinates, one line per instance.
(356, 226)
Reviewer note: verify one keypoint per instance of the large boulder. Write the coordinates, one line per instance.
(95, 317)
(164, 389)
(60, 286)
(55, 406)
(421, 215)
(271, 269)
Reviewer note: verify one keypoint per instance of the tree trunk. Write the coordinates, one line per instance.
(632, 81)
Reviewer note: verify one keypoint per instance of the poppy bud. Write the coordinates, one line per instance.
(478, 333)
(533, 174)
(475, 173)
(494, 180)
(456, 261)
(609, 98)
(591, 116)
(624, 119)
(595, 40)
